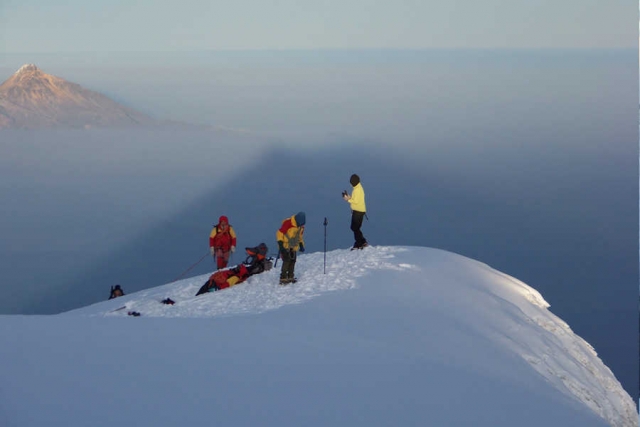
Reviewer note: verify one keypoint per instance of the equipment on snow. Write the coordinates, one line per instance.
(255, 263)
(324, 268)
(133, 313)
(257, 260)
(223, 279)
(168, 301)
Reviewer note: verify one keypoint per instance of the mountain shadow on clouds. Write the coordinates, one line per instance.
(404, 207)
(534, 214)
(257, 199)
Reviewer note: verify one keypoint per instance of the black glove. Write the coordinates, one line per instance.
(301, 247)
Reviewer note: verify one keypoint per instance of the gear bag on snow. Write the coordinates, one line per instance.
(255, 263)
(257, 260)
(223, 279)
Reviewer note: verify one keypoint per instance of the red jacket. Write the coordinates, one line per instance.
(222, 239)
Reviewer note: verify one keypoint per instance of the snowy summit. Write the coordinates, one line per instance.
(27, 68)
(385, 336)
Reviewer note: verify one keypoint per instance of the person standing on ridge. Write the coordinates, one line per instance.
(358, 211)
(290, 239)
(222, 242)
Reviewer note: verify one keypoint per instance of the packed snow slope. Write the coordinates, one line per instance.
(387, 336)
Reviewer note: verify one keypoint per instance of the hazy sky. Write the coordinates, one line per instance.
(164, 25)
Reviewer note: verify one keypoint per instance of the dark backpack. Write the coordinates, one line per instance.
(257, 261)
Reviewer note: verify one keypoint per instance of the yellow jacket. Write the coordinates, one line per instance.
(290, 234)
(357, 199)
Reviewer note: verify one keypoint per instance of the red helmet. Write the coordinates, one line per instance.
(223, 220)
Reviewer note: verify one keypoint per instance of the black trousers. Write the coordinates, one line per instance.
(356, 225)
(288, 264)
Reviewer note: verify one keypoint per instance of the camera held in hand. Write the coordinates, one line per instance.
(344, 193)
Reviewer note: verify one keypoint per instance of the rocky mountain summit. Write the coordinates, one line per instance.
(32, 99)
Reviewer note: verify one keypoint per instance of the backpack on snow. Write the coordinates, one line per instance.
(257, 261)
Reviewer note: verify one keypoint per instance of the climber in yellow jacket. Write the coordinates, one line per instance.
(290, 237)
(358, 211)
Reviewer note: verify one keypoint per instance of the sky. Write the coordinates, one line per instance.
(161, 26)
(389, 335)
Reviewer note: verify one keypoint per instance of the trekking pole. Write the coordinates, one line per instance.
(324, 269)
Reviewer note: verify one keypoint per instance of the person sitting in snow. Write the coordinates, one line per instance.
(116, 292)
(290, 239)
(222, 242)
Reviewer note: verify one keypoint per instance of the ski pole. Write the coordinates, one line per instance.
(324, 268)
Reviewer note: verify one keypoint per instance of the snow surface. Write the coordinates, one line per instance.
(388, 336)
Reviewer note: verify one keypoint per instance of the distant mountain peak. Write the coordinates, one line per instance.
(31, 98)
(27, 69)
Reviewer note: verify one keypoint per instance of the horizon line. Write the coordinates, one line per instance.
(331, 49)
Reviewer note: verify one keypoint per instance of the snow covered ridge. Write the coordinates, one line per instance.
(388, 336)
(344, 270)
(462, 306)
